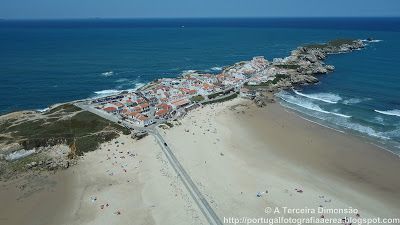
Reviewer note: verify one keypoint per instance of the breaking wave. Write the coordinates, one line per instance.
(104, 93)
(394, 112)
(216, 68)
(301, 104)
(42, 110)
(108, 74)
(372, 41)
(306, 104)
(324, 97)
(107, 92)
(186, 72)
(364, 130)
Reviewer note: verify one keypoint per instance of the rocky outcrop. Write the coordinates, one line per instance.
(307, 62)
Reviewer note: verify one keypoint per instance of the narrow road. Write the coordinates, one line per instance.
(201, 202)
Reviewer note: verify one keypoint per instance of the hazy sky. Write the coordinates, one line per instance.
(39, 9)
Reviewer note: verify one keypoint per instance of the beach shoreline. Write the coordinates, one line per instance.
(233, 151)
(310, 150)
(384, 147)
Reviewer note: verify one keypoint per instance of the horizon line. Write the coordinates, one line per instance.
(174, 18)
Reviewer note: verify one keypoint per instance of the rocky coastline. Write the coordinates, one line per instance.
(51, 140)
(302, 67)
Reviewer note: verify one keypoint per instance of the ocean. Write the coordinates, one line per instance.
(43, 62)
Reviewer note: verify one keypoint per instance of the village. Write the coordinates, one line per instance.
(170, 98)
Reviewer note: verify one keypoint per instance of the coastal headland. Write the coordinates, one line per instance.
(90, 161)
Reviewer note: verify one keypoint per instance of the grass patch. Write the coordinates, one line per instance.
(222, 99)
(64, 108)
(340, 42)
(211, 96)
(169, 124)
(20, 164)
(197, 98)
(316, 46)
(88, 129)
(334, 43)
(92, 142)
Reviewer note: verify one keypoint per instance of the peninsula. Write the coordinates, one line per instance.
(199, 142)
(167, 99)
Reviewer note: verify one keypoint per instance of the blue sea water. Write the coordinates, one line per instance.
(43, 62)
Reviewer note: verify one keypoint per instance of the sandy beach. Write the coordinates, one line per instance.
(235, 150)
(232, 151)
(123, 182)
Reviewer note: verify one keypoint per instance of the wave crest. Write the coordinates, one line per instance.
(108, 74)
(306, 104)
(107, 92)
(216, 68)
(324, 97)
(393, 112)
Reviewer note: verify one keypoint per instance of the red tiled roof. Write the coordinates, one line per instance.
(161, 112)
(110, 109)
(118, 104)
(180, 102)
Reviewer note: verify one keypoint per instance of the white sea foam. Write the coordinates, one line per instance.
(339, 120)
(352, 101)
(306, 104)
(365, 130)
(137, 85)
(324, 97)
(107, 92)
(104, 93)
(121, 80)
(216, 68)
(186, 72)
(108, 74)
(375, 41)
(393, 112)
(43, 110)
(371, 41)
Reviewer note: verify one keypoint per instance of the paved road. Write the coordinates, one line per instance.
(201, 202)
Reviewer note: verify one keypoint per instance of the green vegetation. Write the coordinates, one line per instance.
(20, 165)
(340, 42)
(333, 43)
(222, 99)
(68, 108)
(278, 78)
(197, 98)
(83, 128)
(169, 124)
(316, 46)
(211, 96)
(288, 66)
